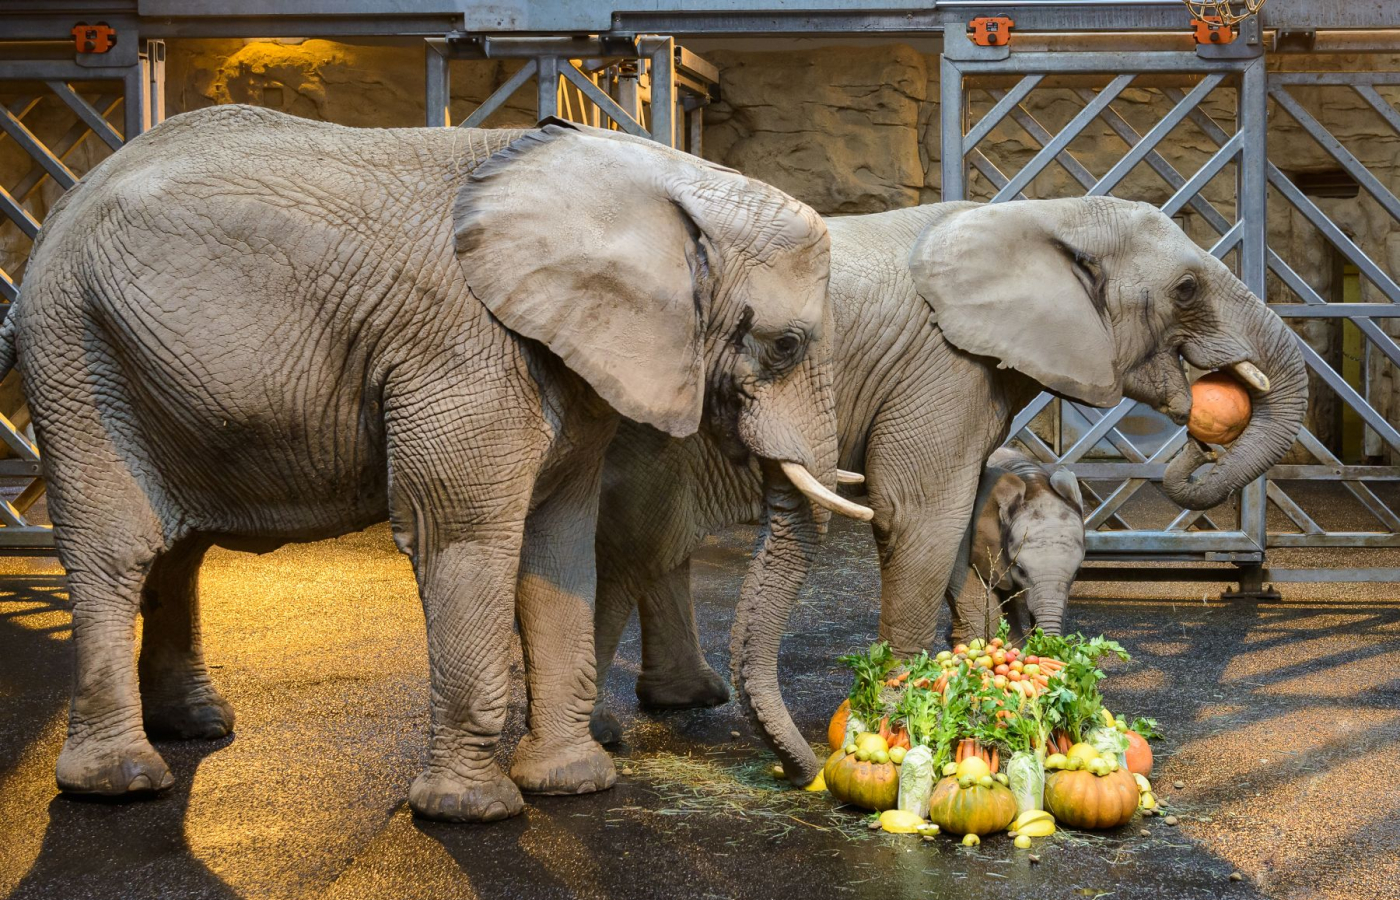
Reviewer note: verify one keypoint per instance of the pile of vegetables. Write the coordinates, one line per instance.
(988, 737)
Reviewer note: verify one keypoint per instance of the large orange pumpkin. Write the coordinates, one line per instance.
(869, 785)
(1139, 755)
(974, 810)
(1220, 408)
(836, 730)
(1081, 799)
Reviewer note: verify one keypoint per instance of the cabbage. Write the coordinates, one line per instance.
(854, 727)
(916, 781)
(1026, 774)
(1109, 742)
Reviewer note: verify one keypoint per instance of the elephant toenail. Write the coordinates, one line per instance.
(587, 788)
(495, 809)
(139, 783)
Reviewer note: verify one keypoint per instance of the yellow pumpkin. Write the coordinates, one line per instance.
(1082, 799)
(971, 810)
(869, 785)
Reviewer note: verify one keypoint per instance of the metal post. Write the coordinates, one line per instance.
(547, 85)
(1252, 190)
(663, 91)
(153, 65)
(136, 102)
(438, 77)
(951, 117)
(628, 73)
(695, 122)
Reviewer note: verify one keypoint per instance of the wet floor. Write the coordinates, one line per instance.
(1282, 719)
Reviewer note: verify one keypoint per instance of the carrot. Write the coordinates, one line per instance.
(897, 680)
(995, 761)
(941, 683)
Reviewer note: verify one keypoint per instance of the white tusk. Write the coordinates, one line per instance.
(1250, 373)
(844, 477)
(807, 484)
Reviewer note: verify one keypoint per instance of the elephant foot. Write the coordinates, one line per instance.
(604, 726)
(696, 688)
(540, 769)
(448, 797)
(100, 768)
(201, 715)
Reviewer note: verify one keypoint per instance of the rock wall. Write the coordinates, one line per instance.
(846, 129)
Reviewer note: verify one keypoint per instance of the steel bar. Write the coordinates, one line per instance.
(1226, 154)
(1229, 240)
(990, 171)
(1042, 136)
(1383, 342)
(71, 138)
(1348, 394)
(1329, 229)
(1334, 78)
(18, 214)
(1005, 103)
(1292, 510)
(437, 94)
(1077, 124)
(1353, 166)
(662, 69)
(500, 96)
(8, 290)
(1383, 513)
(1380, 105)
(546, 87)
(606, 104)
(1096, 432)
(952, 114)
(1335, 310)
(31, 145)
(1168, 542)
(90, 116)
(1139, 151)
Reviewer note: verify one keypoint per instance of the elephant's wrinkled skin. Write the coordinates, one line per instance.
(949, 318)
(1023, 547)
(246, 329)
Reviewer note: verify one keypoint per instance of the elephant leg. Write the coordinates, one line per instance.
(178, 697)
(554, 605)
(611, 610)
(674, 674)
(467, 588)
(108, 550)
(922, 491)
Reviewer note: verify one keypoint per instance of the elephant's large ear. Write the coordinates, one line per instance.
(573, 239)
(1003, 284)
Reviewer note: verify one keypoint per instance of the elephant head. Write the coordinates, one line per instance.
(1027, 546)
(1097, 298)
(686, 295)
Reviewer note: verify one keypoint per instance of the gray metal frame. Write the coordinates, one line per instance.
(627, 82)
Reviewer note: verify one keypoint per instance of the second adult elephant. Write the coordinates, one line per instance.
(949, 319)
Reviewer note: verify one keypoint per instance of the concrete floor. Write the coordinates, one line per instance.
(1283, 721)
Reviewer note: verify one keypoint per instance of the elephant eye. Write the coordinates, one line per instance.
(787, 345)
(1185, 289)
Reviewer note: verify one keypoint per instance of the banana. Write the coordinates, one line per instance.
(1038, 828)
(1147, 800)
(818, 783)
(1144, 786)
(1031, 815)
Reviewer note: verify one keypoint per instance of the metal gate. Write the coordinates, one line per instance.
(86, 91)
(985, 90)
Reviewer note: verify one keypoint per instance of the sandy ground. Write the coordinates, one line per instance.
(1282, 719)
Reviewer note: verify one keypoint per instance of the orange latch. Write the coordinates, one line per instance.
(97, 38)
(1212, 30)
(991, 31)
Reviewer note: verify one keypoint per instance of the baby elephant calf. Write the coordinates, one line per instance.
(1023, 547)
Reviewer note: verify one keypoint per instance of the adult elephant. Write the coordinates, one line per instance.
(949, 319)
(246, 329)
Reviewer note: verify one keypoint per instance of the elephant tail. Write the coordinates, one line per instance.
(7, 345)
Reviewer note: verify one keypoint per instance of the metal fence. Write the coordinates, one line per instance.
(613, 68)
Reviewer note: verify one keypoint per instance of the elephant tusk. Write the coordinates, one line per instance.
(844, 477)
(818, 494)
(1251, 375)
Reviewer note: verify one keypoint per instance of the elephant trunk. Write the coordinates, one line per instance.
(1046, 603)
(1276, 415)
(790, 538)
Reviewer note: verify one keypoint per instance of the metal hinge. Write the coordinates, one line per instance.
(97, 38)
(991, 31)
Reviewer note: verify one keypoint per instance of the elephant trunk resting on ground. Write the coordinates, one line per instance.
(248, 329)
(949, 318)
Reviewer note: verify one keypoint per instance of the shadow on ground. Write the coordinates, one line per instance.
(1281, 718)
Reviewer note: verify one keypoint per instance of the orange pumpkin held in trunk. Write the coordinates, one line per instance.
(1139, 755)
(1220, 408)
